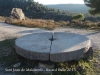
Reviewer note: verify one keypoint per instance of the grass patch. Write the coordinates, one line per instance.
(8, 57)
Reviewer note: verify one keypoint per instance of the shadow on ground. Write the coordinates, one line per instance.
(92, 33)
(32, 31)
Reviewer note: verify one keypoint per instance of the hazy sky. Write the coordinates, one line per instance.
(60, 1)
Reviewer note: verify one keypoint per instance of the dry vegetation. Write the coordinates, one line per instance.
(48, 24)
(2, 18)
(51, 24)
(86, 24)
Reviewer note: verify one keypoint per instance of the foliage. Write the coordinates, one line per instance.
(94, 5)
(79, 17)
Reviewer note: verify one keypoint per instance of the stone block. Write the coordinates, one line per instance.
(56, 47)
(68, 46)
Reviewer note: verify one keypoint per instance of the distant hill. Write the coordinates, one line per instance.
(70, 7)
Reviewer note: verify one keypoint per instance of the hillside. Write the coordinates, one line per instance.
(35, 10)
(71, 7)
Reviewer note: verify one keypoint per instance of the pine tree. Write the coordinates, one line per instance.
(94, 6)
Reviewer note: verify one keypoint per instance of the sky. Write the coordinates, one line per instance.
(60, 1)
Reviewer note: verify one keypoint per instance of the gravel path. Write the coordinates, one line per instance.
(7, 31)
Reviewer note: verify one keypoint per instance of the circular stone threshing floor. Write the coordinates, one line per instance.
(53, 46)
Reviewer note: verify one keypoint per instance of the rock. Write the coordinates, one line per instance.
(46, 65)
(90, 60)
(88, 54)
(80, 68)
(16, 65)
(17, 13)
(96, 61)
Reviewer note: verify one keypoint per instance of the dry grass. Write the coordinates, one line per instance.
(40, 23)
(51, 24)
(2, 18)
(86, 25)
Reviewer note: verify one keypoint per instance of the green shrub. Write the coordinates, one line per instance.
(79, 17)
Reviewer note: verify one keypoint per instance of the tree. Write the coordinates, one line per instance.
(79, 17)
(31, 0)
(94, 6)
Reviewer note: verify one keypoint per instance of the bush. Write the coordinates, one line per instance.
(79, 17)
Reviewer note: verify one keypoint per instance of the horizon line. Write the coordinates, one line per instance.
(63, 3)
